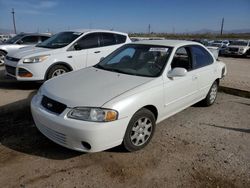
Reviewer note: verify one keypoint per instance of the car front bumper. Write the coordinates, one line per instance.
(13, 69)
(72, 133)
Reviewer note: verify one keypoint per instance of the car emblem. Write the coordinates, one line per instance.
(49, 105)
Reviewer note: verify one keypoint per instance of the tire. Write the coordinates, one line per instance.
(211, 96)
(2, 56)
(56, 71)
(140, 130)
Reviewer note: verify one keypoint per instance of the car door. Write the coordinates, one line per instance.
(81, 49)
(180, 92)
(204, 68)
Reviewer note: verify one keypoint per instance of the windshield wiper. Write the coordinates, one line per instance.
(99, 66)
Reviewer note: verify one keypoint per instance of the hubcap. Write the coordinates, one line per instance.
(141, 131)
(58, 72)
(213, 93)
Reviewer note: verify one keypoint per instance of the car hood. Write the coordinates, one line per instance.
(90, 87)
(29, 52)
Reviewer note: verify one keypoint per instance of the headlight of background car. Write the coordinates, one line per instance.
(93, 114)
(35, 59)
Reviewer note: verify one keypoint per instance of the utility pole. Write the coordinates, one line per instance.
(222, 25)
(149, 28)
(14, 22)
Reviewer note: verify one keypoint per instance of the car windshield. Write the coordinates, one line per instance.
(59, 40)
(139, 60)
(14, 39)
(238, 43)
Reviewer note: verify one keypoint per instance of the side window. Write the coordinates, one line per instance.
(201, 57)
(43, 38)
(120, 38)
(29, 40)
(182, 59)
(108, 39)
(88, 41)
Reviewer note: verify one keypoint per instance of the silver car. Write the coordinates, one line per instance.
(19, 41)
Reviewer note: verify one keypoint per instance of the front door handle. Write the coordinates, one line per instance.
(97, 52)
(70, 56)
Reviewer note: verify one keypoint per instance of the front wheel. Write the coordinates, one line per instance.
(139, 131)
(212, 94)
(56, 71)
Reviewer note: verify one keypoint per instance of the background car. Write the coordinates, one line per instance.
(19, 41)
(121, 99)
(63, 52)
(238, 48)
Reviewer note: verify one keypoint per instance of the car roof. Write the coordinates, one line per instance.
(169, 43)
(96, 30)
(31, 34)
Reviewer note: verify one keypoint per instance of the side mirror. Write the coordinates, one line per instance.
(77, 46)
(19, 42)
(177, 72)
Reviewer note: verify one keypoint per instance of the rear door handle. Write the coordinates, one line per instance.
(70, 56)
(194, 78)
(97, 52)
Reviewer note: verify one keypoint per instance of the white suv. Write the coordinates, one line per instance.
(63, 52)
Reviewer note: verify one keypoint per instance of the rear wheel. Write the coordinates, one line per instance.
(211, 96)
(139, 131)
(2, 56)
(56, 71)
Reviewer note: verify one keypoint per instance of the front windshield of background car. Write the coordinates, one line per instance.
(59, 40)
(139, 60)
(14, 39)
(238, 43)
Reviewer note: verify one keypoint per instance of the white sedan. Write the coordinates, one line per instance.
(121, 99)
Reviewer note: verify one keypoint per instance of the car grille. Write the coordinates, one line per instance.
(10, 70)
(52, 105)
(12, 58)
(233, 49)
(53, 135)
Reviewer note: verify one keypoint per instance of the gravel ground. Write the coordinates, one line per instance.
(198, 147)
(238, 76)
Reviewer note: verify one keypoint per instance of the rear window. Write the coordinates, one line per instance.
(108, 39)
(43, 38)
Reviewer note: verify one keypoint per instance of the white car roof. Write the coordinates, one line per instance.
(170, 43)
(96, 30)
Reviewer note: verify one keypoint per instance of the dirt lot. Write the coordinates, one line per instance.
(199, 147)
(238, 73)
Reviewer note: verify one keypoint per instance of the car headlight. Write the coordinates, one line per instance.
(93, 114)
(35, 59)
(242, 49)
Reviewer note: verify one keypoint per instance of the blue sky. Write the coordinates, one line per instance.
(125, 15)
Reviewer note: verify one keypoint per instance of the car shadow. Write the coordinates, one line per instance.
(6, 82)
(14, 85)
(228, 128)
(18, 132)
